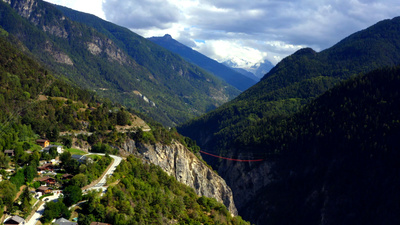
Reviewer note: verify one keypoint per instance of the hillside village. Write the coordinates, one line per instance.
(52, 169)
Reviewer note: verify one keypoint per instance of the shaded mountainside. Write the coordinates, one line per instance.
(334, 162)
(232, 77)
(114, 61)
(295, 81)
(246, 73)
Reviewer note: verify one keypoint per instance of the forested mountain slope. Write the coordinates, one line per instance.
(147, 195)
(295, 81)
(34, 104)
(232, 77)
(334, 162)
(114, 62)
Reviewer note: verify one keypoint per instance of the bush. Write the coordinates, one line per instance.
(72, 195)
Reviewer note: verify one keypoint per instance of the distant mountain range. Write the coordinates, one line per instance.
(114, 61)
(260, 123)
(262, 68)
(256, 72)
(232, 77)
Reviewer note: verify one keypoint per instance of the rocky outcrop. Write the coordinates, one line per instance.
(144, 98)
(29, 9)
(99, 45)
(56, 30)
(58, 55)
(24, 8)
(93, 48)
(178, 161)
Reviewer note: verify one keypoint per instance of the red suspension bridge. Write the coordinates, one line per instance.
(237, 160)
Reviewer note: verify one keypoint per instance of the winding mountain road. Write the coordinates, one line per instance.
(100, 185)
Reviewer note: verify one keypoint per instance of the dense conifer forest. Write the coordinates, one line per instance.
(339, 154)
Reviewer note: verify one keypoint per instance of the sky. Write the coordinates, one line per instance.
(243, 31)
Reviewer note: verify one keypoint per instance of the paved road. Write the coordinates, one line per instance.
(100, 185)
(35, 218)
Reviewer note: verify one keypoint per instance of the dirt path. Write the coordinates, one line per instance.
(21, 189)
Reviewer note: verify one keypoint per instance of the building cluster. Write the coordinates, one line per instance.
(48, 183)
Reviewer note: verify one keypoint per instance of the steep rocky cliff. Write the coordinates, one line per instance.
(99, 45)
(179, 162)
(246, 179)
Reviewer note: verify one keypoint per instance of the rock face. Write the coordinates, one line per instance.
(253, 176)
(58, 27)
(99, 45)
(179, 162)
(30, 10)
(25, 9)
(58, 55)
(56, 30)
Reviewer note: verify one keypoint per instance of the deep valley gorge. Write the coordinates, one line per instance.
(314, 141)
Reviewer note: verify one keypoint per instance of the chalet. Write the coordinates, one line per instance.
(63, 221)
(15, 220)
(46, 167)
(44, 190)
(58, 147)
(48, 180)
(67, 176)
(9, 152)
(99, 223)
(43, 142)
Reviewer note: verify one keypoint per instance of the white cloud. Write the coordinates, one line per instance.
(142, 14)
(232, 50)
(88, 6)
